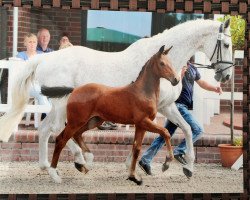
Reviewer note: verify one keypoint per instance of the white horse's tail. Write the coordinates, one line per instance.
(20, 96)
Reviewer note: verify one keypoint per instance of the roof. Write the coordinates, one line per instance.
(100, 34)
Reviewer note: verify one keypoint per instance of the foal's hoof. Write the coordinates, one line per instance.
(187, 172)
(165, 167)
(135, 180)
(81, 168)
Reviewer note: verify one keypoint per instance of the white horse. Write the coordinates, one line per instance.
(75, 66)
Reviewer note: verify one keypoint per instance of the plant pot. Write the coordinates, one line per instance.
(229, 154)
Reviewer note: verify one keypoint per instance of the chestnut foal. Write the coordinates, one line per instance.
(89, 105)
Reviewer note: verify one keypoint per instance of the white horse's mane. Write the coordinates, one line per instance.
(187, 28)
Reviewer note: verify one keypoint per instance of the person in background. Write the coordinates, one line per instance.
(108, 126)
(43, 36)
(30, 42)
(184, 103)
(64, 41)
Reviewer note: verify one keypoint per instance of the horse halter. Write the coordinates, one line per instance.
(217, 50)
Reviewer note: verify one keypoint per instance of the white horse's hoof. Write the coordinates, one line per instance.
(44, 165)
(54, 174)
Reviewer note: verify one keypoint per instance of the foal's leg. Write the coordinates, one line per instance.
(139, 135)
(149, 125)
(61, 141)
(92, 123)
(173, 114)
(88, 156)
(80, 165)
(54, 122)
(59, 125)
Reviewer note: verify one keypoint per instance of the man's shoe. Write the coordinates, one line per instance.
(145, 168)
(180, 159)
(104, 126)
(112, 125)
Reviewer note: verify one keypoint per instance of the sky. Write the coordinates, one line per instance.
(136, 23)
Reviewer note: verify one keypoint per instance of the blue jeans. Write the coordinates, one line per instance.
(158, 142)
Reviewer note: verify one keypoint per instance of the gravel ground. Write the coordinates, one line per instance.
(26, 177)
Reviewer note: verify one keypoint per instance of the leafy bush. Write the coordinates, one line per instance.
(237, 26)
(238, 141)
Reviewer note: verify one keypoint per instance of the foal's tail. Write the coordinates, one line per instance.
(56, 92)
(20, 96)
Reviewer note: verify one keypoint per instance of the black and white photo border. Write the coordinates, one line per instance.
(232, 7)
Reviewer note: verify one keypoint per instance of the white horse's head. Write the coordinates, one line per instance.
(220, 52)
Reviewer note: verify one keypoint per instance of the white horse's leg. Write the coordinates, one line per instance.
(128, 160)
(86, 159)
(80, 163)
(44, 131)
(89, 157)
(54, 174)
(172, 113)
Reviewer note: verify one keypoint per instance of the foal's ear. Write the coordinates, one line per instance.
(161, 49)
(167, 50)
(227, 23)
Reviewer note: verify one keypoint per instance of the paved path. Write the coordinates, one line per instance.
(26, 177)
(217, 126)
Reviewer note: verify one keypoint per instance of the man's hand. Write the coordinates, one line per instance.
(218, 90)
(183, 70)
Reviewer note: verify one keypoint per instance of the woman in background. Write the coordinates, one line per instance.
(30, 42)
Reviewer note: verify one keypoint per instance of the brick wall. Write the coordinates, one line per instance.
(3, 33)
(9, 31)
(107, 146)
(24, 20)
(56, 21)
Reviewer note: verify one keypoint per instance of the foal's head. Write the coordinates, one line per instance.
(164, 68)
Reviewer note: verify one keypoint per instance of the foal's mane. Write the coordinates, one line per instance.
(148, 63)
